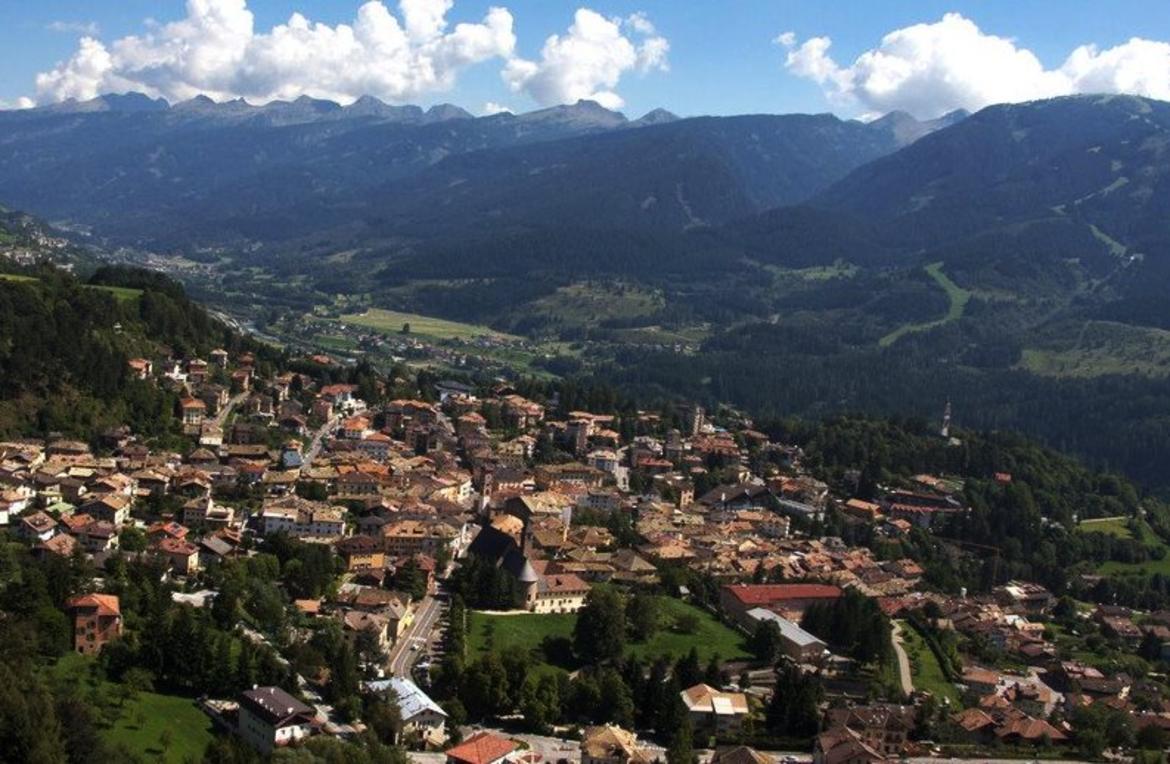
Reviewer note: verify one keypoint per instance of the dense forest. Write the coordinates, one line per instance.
(65, 344)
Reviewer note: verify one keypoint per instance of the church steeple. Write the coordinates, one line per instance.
(946, 421)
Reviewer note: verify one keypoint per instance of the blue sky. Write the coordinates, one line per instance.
(723, 56)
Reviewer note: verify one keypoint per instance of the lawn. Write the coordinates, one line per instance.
(141, 720)
(710, 637)
(527, 630)
(1113, 526)
(958, 297)
(392, 321)
(925, 670)
(191, 729)
(121, 294)
(487, 632)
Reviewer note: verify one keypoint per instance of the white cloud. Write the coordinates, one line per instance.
(215, 50)
(641, 23)
(491, 107)
(930, 69)
(23, 102)
(74, 27)
(589, 60)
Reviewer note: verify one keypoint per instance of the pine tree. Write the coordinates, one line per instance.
(246, 666)
(688, 670)
(681, 747)
(713, 674)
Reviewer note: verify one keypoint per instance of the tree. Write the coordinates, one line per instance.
(1151, 738)
(793, 710)
(853, 622)
(766, 642)
(713, 674)
(385, 720)
(688, 670)
(1151, 647)
(540, 701)
(410, 578)
(343, 677)
(134, 681)
(83, 740)
(599, 635)
(1090, 743)
(617, 704)
(681, 747)
(644, 615)
(225, 607)
(132, 539)
(484, 687)
(687, 623)
(672, 713)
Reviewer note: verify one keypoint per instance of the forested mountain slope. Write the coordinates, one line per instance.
(141, 171)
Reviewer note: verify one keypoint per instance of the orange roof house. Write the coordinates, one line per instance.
(481, 748)
(97, 619)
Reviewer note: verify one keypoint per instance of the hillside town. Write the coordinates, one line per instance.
(393, 531)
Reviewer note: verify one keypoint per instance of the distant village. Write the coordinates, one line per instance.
(462, 473)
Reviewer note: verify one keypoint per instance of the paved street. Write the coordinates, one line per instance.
(226, 411)
(903, 662)
(318, 436)
(402, 657)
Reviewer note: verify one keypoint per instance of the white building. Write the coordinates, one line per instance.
(712, 710)
(271, 718)
(798, 643)
(420, 714)
(301, 518)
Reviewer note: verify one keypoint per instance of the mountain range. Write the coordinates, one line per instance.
(1015, 261)
(137, 170)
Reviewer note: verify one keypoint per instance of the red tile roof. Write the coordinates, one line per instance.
(482, 748)
(765, 594)
(104, 604)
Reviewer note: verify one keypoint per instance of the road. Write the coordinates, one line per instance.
(226, 411)
(315, 444)
(903, 662)
(402, 657)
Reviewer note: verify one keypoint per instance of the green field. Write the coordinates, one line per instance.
(838, 270)
(141, 720)
(1119, 526)
(527, 630)
(1114, 526)
(122, 294)
(1161, 567)
(588, 304)
(925, 670)
(392, 321)
(958, 297)
(1099, 348)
